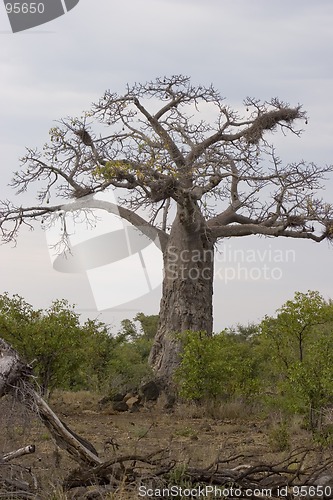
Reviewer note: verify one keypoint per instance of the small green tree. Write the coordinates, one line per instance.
(17, 319)
(127, 364)
(128, 331)
(58, 345)
(299, 343)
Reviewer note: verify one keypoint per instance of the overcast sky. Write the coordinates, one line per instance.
(257, 48)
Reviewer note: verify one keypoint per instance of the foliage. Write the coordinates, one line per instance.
(129, 363)
(300, 343)
(68, 355)
(128, 366)
(46, 339)
(99, 347)
(148, 324)
(289, 357)
(279, 438)
(218, 366)
(286, 361)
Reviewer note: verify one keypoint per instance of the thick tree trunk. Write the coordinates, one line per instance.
(187, 292)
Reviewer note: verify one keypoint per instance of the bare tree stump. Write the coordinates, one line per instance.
(16, 377)
(11, 368)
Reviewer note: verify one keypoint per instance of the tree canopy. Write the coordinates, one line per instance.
(154, 142)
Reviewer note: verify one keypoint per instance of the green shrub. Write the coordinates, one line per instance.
(218, 366)
(68, 355)
(279, 438)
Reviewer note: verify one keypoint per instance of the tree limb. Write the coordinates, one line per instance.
(27, 450)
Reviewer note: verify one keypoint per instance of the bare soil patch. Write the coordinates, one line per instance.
(194, 436)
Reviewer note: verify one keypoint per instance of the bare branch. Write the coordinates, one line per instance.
(251, 229)
(27, 450)
(158, 148)
(163, 134)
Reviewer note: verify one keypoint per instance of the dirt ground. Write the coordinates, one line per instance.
(195, 436)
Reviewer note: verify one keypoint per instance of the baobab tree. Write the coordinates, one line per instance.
(188, 181)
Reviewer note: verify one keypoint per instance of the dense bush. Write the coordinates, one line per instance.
(128, 365)
(286, 362)
(50, 340)
(219, 366)
(68, 355)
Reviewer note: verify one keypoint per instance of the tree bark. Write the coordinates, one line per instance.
(79, 448)
(187, 291)
(27, 450)
(11, 368)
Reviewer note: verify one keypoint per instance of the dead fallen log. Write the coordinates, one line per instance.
(18, 453)
(79, 448)
(17, 378)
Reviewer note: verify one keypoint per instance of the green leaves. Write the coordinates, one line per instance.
(45, 338)
(68, 355)
(300, 340)
(221, 366)
(287, 358)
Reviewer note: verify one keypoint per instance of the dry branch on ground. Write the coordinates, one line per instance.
(155, 471)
